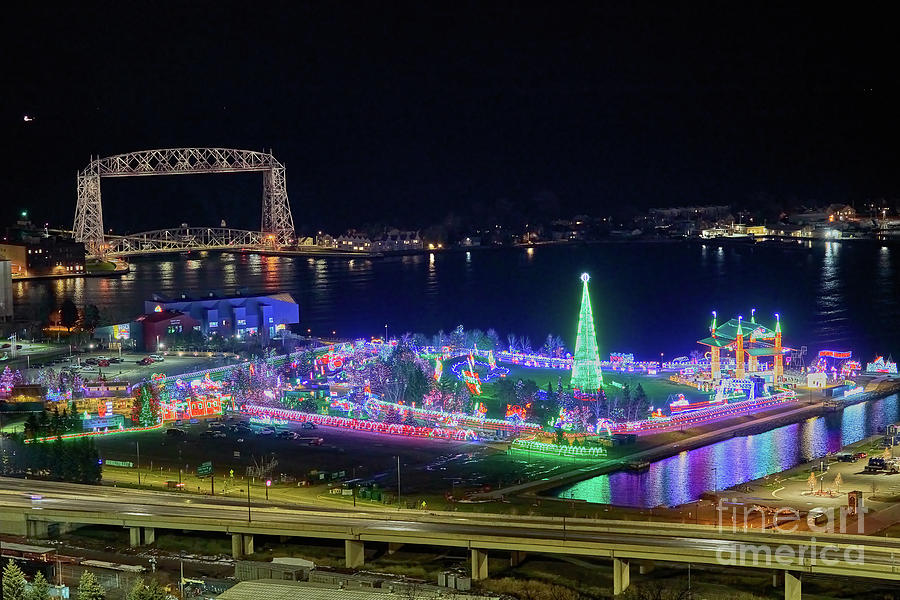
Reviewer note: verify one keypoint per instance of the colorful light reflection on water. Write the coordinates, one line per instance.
(682, 478)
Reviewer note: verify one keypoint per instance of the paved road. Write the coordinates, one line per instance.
(676, 542)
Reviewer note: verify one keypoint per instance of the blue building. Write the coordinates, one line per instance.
(230, 316)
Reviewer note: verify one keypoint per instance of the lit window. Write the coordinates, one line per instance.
(213, 323)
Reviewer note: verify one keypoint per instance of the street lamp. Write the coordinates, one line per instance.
(268, 485)
(385, 333)
(157, 343)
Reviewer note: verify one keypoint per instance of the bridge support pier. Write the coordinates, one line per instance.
(393, 547)
(621, 576)
(516, 557)
(792, 586)
(149, 535)
(479, 564)
(248, 544)
(354, 553)
(134, 536)
(237, 545)
(38, 530)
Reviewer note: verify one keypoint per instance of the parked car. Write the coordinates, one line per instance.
(860, 455)
(308, 425)
(157, 357)
(89, 369)
(175, 432)
(145, 361)
(102, 363)
(287, 435)
(267, 431)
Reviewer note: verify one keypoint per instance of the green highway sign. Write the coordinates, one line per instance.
(119, 463)
(205, 469)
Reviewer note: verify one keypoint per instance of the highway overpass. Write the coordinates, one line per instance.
(622, 542)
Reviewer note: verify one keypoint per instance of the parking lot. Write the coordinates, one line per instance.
(125, 365)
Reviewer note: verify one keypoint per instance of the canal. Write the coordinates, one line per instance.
(682, 478)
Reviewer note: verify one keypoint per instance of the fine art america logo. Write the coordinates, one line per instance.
(739, 518)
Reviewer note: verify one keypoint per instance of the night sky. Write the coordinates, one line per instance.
(403, 113)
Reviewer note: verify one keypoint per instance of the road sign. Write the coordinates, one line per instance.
(204, 469)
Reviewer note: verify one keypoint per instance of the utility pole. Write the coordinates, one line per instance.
(398, 479)
(248, 499)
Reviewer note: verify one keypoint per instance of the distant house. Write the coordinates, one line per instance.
(787, 230)
(354, 242)
(396, 240)
(840, 212)
(713, 232)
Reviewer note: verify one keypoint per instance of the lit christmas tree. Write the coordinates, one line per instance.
(586, 374)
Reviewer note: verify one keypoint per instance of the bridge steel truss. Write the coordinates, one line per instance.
(277, 222)
(186, 238)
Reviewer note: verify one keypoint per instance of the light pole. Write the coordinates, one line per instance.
(138, 445)
(157, 344)
(385, 333)
(248, 499)
(398, 480)
(268, 485)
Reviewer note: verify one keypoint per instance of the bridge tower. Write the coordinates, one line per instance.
(88, 225)
(277, 225)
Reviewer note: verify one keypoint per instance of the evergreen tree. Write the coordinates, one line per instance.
(13, 582)
(90, 317)
(89, 588)
(40, 588)
(68, 314)
(146, 591)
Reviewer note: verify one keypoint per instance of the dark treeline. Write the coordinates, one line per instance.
(75, 460)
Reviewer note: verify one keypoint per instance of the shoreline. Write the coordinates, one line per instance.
(113, 273)
(537, 489)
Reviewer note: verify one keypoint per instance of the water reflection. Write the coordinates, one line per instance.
(682, 478)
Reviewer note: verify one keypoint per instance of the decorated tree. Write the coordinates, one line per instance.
(145, 409)
(811, 481)
(6, 379)
(838, 482)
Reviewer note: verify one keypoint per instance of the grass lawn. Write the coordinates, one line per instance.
(100, 265)
(657, 387)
